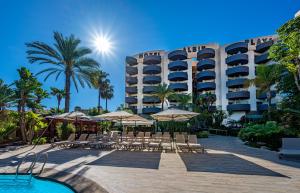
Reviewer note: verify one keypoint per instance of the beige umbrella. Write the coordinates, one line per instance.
(174, 115)
(136, 123)
(120, 116)
(72, 115)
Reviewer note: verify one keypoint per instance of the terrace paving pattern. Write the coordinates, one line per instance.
(227, 166)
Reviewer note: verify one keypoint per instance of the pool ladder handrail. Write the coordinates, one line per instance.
(31, 167)
(44, 163)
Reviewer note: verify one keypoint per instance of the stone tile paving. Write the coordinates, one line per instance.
(228, 166)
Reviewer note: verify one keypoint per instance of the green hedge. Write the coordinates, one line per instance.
(202, 134)
(269, 133)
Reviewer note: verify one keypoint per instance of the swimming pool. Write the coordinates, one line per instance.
(8, 184)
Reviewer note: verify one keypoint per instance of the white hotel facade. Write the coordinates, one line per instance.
(198, 69)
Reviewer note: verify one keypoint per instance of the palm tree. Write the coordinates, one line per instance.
(24, 95)
(65, 57)
(205, 101)
(266, 77)
(98, 78)
(107, 91)
(162, 91)
(59, 94)
(182, 99)
(6, 95)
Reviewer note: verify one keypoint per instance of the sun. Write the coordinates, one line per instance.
(103, 44)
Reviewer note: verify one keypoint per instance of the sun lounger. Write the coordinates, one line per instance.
(154, 143)
(137, 143)
(71, 138)
(166, 142)
(80, 141)
(193, 144)
(180, 142)
(290, 147)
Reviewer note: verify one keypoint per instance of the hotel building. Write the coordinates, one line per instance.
(198, 69)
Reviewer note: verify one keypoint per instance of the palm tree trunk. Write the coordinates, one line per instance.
(99, 100)
(22, 118)
(67, 87)
(58, 104)
(106, 104)
(162, 105)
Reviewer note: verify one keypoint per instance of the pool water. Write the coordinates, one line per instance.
(8, 184)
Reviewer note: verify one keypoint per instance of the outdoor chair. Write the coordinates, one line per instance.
(180, 142)
(148, 135)
(166, 134)
(174, 135)
(290, 147)
(140, 135)
(130, 134)
(137, 143)
(154, 143)
(193, 144)
(158, 134)
(71, 138)
(125, 143)
(166, 142)
(79, 141)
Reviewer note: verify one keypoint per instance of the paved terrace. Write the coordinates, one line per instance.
(228, 166)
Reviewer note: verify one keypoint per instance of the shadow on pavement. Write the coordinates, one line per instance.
(147, 160)
(224, 163)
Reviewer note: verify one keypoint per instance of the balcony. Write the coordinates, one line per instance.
(151, 79)
(132, 61)
(178, 76)
(178, 86)
(238, 70)
(152, 59)
(131, 90)
(177, 55)
(151, 99)
(201, 86)
(206, 64)
(238, 95)
(262, 107)
(262, 59)
(261, 48)
(205, 53)
(235, 83)
(236, 48)
(131, 80)
(131, 100)
(238, 107)
(152, 69)
(237, 59)
(149, 89)
(151, 110)
(131, 70)
(206, 75)
(263, 96)
(178, 65)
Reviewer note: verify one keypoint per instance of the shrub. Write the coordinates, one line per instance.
(64, 130)
(42, 141)
(269, 133)
(202, 134)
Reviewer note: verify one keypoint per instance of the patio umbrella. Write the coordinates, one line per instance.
(174, 115)
(70, 116)
(120, 116)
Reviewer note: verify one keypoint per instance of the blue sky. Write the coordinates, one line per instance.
(134, 26)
